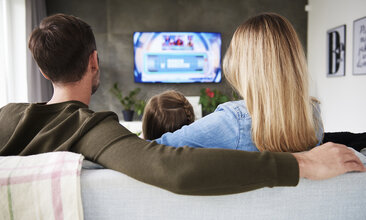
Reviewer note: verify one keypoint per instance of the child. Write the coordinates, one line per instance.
(166, 112)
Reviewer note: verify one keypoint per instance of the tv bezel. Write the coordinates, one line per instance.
(161, 82)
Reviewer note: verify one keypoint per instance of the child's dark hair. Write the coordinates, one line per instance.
(166, 112)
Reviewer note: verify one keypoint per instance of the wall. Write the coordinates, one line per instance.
(114, 22)
(343, 98)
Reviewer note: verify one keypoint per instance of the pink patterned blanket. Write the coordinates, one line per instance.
(43, 186)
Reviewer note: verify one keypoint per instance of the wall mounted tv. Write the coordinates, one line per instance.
(177, 57)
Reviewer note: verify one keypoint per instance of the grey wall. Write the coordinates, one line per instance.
(114, 22)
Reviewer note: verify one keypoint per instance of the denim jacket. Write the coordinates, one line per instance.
(229, 126)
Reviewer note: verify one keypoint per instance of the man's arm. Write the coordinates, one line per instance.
(185, 170)
(198, 171)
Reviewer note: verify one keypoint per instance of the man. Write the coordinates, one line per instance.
(65, 51)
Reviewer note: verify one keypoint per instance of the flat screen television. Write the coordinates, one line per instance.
(177, 57)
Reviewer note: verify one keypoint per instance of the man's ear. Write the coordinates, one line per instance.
(93, 61)
(44, 75)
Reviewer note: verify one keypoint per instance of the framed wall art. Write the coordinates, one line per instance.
(336, 51)
(359, 46)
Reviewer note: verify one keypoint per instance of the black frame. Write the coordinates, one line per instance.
(342, 47)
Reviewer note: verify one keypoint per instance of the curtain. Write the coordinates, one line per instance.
(13, 82)
(39, 88)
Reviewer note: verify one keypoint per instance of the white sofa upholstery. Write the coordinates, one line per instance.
(108, 194)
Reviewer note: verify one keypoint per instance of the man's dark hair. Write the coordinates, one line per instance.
(61, 46)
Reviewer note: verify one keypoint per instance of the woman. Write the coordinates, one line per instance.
(266, 65)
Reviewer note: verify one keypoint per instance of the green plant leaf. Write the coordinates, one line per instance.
(126, 101)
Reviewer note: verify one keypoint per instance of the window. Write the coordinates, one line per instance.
(13, 75)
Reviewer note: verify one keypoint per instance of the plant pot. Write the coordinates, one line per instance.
(127, 115)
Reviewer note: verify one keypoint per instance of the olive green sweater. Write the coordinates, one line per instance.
(27, 129)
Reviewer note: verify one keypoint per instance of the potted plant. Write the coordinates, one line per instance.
(127, 101)
(139, 108)
(210, 100)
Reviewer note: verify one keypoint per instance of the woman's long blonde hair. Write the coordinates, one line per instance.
(266, 64)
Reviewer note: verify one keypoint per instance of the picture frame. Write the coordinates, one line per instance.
(359, 46)
(336, 51)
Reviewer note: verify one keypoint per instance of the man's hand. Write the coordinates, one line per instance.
(327, 161)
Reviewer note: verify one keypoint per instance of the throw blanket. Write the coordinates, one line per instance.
(355, 140)
(43, 186)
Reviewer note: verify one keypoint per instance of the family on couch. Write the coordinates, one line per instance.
(265, 64)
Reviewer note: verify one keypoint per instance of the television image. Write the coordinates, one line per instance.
(177, 57)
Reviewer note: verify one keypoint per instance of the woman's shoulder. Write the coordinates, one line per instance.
(315, 104)
(238, 108)
(317, 119)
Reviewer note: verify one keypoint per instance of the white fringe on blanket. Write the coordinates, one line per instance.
(43, 186)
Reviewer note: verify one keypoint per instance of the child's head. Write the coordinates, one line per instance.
(166, 112)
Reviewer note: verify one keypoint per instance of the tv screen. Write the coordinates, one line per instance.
(177, 57)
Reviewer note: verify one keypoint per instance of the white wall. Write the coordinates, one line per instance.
(343, 99)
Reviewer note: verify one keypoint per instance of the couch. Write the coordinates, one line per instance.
(107, 194)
